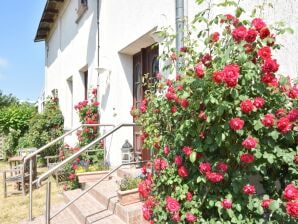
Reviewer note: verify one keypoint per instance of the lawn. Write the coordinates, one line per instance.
(15, 207)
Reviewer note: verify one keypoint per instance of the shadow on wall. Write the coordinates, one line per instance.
(127, 66)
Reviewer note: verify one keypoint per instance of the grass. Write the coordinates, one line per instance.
(15, 207)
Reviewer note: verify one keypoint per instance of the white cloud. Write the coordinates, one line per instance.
(3, 62)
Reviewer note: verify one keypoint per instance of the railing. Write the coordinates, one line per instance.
(39, 180)
(43, 148)
(48, 194)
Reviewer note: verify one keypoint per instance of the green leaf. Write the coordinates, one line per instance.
(274, 135)
(193, 157)
(274, 205)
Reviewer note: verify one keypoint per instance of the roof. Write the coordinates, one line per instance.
(48, 18)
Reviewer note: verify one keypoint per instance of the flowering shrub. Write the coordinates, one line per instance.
(224, 132)
(88, 114)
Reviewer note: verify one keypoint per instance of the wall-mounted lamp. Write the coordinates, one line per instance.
(101, 70)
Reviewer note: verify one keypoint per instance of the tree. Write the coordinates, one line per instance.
(6, 100)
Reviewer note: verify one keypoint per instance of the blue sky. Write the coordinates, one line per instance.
(21, 60)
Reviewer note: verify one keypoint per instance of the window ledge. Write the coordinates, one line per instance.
(81, 11)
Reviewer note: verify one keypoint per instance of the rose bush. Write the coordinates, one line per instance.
(226, 128)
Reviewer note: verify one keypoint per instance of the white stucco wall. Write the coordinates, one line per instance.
(72, 46)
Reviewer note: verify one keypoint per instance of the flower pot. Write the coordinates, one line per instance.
(129, 196)
(94, 176)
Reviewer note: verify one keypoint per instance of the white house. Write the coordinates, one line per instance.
(105, 44)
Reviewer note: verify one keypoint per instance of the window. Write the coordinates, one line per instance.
(83, 2)
(70, 106)
(85, 80)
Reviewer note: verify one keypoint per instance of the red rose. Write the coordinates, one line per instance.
(217, 77)
(284, 125)
(246, 106)
(176, 217)
(293, 93)
(281, 112)
(270, 65)
(251, 36)
(259, 102)
(72, 176)
(184, 103)
(249, 189)
(292, 208)
(239, 33)
(268, 120)
(247, 158)
(166, 150)
(163, 164)
(187, 150)
(214, 177)
(147, 212)
(269, 79)
(231, 74)
(290, 192)
(178, 161)
(207, 60)
(249, 143)
(222, 167)
(205, 167)
(258, 24)
(264, 53)
(182, 171)
(236, 123)
(264, 32)
(199, 70)
(248, 48)
(188, 196)
(266, 202)
(215, 36)
(143, 189)
(202, 115)
(227, 204)
(190, 217)
(296, 159)
(173, 109)
(172, 204)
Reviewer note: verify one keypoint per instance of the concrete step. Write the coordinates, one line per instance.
(106, 194)
(88, 210)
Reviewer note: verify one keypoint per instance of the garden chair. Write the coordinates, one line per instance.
(18, 174)
(59, 174)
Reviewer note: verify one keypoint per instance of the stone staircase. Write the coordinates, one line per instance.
(99, 206)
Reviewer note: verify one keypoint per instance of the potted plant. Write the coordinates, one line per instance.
(128, 191)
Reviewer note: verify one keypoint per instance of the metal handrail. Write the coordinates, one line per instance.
(78, 153)
(30, 156)
(48, 217)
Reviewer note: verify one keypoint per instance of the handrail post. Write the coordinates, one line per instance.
(48, 202)
(30, 188)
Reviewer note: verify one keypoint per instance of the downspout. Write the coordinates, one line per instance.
(179, 31)
(97, 25)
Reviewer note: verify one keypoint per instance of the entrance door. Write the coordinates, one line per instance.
(144, 62)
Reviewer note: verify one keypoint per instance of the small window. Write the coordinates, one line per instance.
(85, 78)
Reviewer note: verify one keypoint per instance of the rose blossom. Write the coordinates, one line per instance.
(284, 125)
(264, 32)
(215, 36)
(249, 143)
(293, 115)
(217, 77)
(178, 161)
(173, 109)
(249, 189)
(236, 123)
(205, 167)
(222, 167)
(166, 150)
(293, 93)
(264, 52)
(239, 33)
(190, 217)
(292, 208)
(184, 103)
(266, 202)
(227, 204)
(296, 159)
(231, 75)
(176, 217)
(214, 177)
(290, 192)
(268, 120)
(258, 23)
(182, 171)
(187, 150)
(270, 65)
(207, 60)
(188, 196)
(246, 106)
(247, 158)
(259, 102)
(250, 36)
(172, 204)
(147, 213)
(199, 70)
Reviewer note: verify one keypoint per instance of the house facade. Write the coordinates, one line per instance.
(106, 44)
